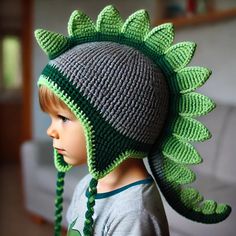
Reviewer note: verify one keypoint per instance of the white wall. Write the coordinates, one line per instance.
(216, 50)
(216, 46)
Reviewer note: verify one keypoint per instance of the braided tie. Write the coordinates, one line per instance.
(88, 225)
(59, 203)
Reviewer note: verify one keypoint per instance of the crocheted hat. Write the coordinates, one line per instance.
(133, 93)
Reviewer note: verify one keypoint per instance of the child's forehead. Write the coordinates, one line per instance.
(57, 109)
(51, 103)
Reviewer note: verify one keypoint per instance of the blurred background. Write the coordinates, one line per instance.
(209, 23)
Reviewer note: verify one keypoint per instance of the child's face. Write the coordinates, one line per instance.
(68, 136)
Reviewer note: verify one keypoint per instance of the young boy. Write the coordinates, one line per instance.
(116, 93)
(129, 202)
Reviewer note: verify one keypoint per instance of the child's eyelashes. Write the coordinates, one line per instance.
(63, 118)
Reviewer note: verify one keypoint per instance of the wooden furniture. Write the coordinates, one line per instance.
(200, 19)
(10, 136)
(211, 15)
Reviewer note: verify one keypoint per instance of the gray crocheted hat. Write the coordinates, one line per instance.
(132, 91)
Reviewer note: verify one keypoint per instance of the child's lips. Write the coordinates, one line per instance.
(61, 151)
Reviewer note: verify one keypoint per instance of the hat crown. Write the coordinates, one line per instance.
(124, 85)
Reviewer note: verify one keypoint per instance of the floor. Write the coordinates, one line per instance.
(14, 220)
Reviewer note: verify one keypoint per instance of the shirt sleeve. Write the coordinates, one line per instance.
(140, 223)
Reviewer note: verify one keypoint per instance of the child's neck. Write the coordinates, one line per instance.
(131, 170)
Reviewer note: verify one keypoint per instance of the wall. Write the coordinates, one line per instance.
(216, 50)
(216, 47)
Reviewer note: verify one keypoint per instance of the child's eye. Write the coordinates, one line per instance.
(63, 118)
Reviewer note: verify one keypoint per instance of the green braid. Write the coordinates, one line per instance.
(59, 203)
(88, 225)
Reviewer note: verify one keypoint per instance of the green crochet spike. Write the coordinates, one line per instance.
(51, 43)
(194, 104)
(80, 25)
(136, 26)
(209, 207)
(188, 79)
(109, 21)
(160, 38)
(222, 209)
(179, 55)
(190, 129)
(180, 151)
(190, 197)
(177, 173)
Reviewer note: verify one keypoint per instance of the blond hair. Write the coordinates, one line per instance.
(49, 102)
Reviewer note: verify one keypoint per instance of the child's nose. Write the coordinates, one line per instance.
(51, 132)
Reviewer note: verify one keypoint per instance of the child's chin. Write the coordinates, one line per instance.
(71, 161)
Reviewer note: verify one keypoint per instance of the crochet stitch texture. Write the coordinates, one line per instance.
(134, 95)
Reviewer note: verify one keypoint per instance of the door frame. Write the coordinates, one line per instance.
(27, 64)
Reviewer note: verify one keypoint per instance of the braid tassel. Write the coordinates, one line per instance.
(59, 203)
(88, 225)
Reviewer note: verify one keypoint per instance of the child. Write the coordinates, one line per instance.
(117, 92)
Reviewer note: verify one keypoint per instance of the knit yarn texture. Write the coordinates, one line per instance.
(134, 94)
(120, 91)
